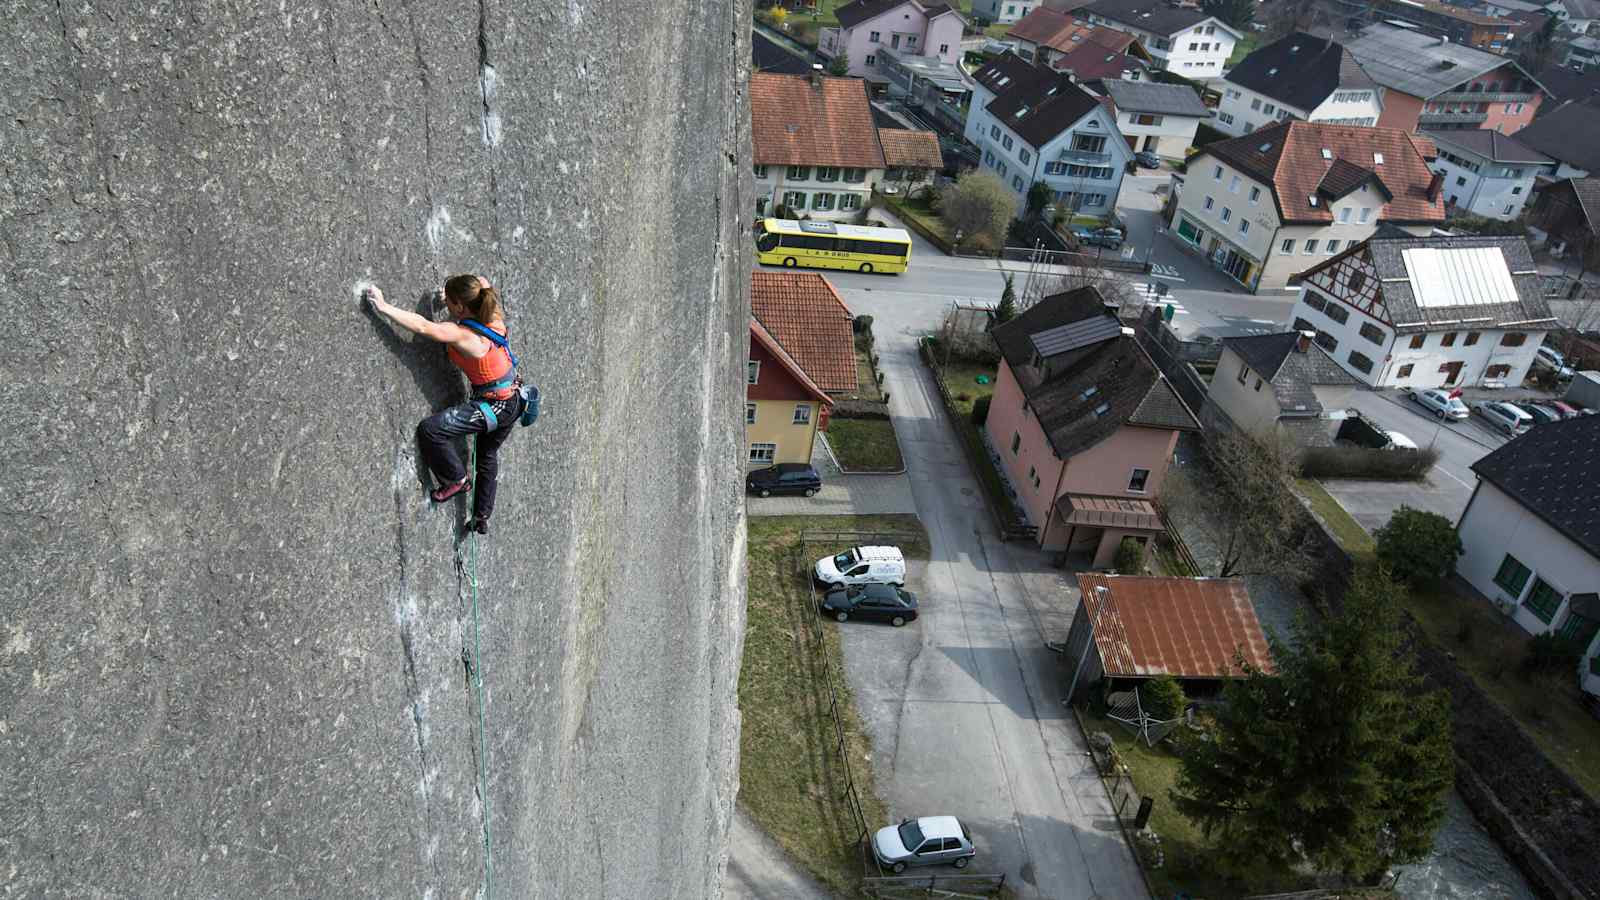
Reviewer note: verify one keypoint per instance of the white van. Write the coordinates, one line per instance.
(863, 565)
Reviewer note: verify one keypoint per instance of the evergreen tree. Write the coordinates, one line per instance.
(1237, 13)
(1418, 546)
(840, 65)
(1341, 759)
(1007, 310)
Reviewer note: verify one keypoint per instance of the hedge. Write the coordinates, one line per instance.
(1362, 462)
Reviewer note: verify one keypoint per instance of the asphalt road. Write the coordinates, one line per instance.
(963, 705)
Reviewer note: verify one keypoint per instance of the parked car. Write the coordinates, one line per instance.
(928, 841)
(783, 478)
(1567, 410)
(1547, 357)
(1398, 441)
(1541, 414)
(1505, 416)
(883, 602)
(1147, 159)
(1104, 236)
(863, 565)
(1441, 404)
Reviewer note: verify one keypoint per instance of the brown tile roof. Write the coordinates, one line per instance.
(910, 149)
(807, 316)
(793, 123)
(1092, 62)
(761, 336)
(1184, 627)
(1288, 158)
(1060, 31)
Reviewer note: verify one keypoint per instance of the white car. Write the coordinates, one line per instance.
(863, 565)
(1505, 417)
(1551, 358)
(928, 841)
(1441, 404)
(1398, 441)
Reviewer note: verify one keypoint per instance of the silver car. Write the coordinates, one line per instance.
(1441, 404)
(928, 841)
(1505, 417)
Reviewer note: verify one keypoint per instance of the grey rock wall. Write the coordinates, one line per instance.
(239, 655)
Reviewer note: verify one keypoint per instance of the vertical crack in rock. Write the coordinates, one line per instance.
(472, 672)
(416, 698)
(487, 81)
(425, 76)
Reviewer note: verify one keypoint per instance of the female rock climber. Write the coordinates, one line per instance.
(496, 403)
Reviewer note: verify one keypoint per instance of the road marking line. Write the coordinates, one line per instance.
(1443, 471)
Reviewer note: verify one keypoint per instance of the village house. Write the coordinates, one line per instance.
(802, 354)
(1445, 20)
(1279, 388)
(1180, 38)
(1435, 83)
(1297, 77)
(1160, 118)
(1003, 12)
(1046, 35)
(1487, 173)
(905, 26)
(1270, 204)
(1569, 214)
(1084, 425)
(1400, 311)
(1570, 135)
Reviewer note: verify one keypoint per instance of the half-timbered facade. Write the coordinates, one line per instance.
(1405, 311)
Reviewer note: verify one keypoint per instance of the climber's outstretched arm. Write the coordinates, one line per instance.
(443, 332)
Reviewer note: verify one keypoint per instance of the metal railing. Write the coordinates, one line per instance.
(1084, 156)
(947, 886)
(1484, 97)
(1451, 118)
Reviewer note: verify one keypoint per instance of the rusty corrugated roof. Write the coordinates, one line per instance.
(1185, 627)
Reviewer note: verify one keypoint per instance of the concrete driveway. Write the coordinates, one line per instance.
(963, 705)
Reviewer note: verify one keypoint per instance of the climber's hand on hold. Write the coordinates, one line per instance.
(373, 298)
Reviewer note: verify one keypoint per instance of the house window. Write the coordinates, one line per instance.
(1357, 279)
(1194, 45)
(1372, 333)
(1344, 215)
(1001, 168)
(1512, 576)
(1513, 339)
(1255, 104)
(1327, 341)
(1255, 195)
(760, 171)
(1472, 338)
(1333, 247)
(752, 372)
(802, 414)
(1244, 226)
(1360, 362)
(822, 201)
(1244, 372)
(1460, 181)
(1146, 119)
(1302, 325)
(1268, 109)
(1226, 117)
(827, 173)
(1508, 209)
(1315, 302)
(1233, 185)
(1366, 213)
(1417, 340)
(1258, 385)
(849, 201)
(1448, 339)
(1227, 214)
(1209, 203)
(1138, 480)
(1005, 141)
(763, 453)
(1024, 155)
(855, 176)
(994, 132)
(911, 42)
(749, 413)
(871, 60)
(1216, 174)
(1543, 600)
(1404, 371)
(1579, 630)
(988, 157)
(1499, 371)
(1016, 183)
(1337, 313)
(799, 173)
(794, 199)
(1311, 246)
(944, 49)
(1288, 246)
(1016, 441)
(872, 38)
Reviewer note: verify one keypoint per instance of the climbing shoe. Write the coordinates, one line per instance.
(440, 495)
(480, 524)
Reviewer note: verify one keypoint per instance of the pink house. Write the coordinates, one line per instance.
(907, 27)
(1084, 424)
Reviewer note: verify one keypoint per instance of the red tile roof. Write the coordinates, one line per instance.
(793, 123)
(1288, 157)
(763, 338)
(1060, 31)
(910, 149)
(1092, 62)
(803, 312)
(1184, 627)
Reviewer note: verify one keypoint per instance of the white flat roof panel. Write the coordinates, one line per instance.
(1459, 276)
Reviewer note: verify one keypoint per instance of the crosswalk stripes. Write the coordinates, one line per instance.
(1148, 292)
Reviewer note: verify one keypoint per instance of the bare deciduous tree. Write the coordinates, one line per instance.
(1242, 487)
(978, 203)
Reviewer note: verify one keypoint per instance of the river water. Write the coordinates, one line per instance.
(1465, 864)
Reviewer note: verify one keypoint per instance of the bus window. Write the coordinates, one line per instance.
(767, 242)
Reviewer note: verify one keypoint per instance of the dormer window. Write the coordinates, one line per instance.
(1313, 199)
(1102, 409)
(1377, 160)
(1093, 389)
(1326, 153)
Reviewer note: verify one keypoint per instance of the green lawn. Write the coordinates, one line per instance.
(789, 774)
(1245, 46)
(1550, 713)
(865, 445)
(961, 377)
(1187, 866)
(921, 211)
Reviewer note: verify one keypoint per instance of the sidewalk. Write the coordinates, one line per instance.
(841, 494)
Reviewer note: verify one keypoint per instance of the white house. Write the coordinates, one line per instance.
(1161, 118)
(1034, 124)
(1297, 77)
(1487, 173)
(1427, 312)
(1270, 204)
(1531, 535)
(1046, 35)
(908, 27)
(815, 147)
(1004, 12)
(1180, 39)
(1279, 386)
(1578, 16)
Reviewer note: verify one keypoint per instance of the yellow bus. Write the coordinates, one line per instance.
(829, 245)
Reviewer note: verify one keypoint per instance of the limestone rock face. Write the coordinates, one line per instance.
(240, 656)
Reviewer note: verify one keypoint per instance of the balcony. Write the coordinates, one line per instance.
(1484, 97)
(829, 42)
(1085, 157)
(1456, 118)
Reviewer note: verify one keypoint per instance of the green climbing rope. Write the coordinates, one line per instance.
(477, 684)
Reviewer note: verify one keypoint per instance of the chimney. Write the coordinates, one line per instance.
(1304, 343)
(816, 75)
(1434, 185)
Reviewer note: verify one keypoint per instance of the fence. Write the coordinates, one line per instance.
(1085, 259)
(1180, 375)
(953, 886)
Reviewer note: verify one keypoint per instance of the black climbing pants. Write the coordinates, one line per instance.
(436, 437)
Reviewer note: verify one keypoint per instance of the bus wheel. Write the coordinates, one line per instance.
(867, 268)
(788, 262)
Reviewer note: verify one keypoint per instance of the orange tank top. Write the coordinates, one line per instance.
(491, 368)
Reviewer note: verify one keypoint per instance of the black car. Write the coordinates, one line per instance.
(883, 602)
(1541, 414)
(784, 478)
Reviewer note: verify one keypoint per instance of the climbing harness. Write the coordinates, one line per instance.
(529, 393)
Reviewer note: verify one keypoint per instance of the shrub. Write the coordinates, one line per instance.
(1362, 462)
(1549, 654)
(1130, 557)
(963, 396)
(980, 410)
(1418, 546)
(861, 324)
(1162, 697)
(860, 409)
